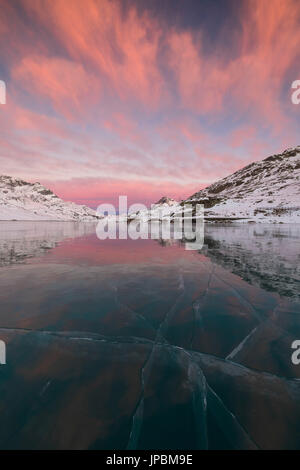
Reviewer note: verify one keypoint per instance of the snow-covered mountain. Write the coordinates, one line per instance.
(20, 200)
(165, 207)
(264, 191)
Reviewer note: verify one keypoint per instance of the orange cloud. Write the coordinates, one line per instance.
(98, 190)
(98, 92)
(251, 80)
(202, 81)
(67, 85)
(121, 49)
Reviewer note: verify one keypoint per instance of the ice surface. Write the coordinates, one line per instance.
(135, 345)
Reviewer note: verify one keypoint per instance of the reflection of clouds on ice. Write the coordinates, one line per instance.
(169, 348)
(263, 255)
(21, 240)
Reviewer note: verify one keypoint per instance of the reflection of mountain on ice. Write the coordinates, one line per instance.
(266, 255)
(21, 240)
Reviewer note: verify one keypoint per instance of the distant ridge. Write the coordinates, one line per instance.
(20, 200)
(267, 191)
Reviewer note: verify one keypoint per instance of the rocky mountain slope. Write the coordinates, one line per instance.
(162, 208)
(265, 191)
(20, 200)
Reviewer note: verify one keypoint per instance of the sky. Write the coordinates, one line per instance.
(144, 98)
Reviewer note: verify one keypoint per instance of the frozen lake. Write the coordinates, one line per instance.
(142, 344)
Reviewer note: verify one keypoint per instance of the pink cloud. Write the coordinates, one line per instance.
(242, 135)
(67, 85)
(97, 191)
(253, 78)
(139, 104)
(121, 50)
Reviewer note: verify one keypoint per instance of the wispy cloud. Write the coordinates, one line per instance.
(103, 99)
